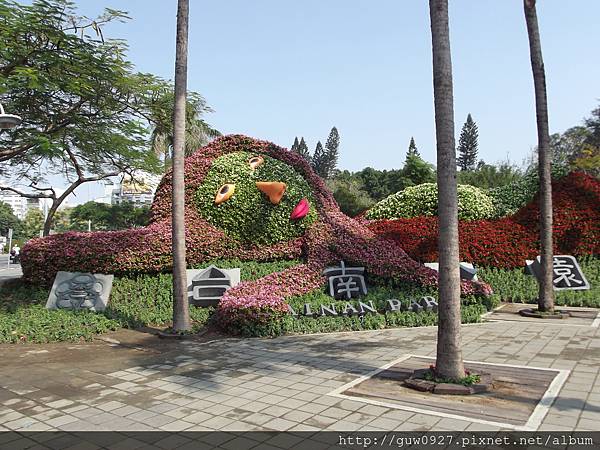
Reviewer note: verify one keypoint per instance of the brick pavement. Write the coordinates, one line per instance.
(276, 384)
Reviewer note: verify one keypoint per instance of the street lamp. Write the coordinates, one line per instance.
(8, 120)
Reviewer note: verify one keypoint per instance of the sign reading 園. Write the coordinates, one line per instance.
(566, 273)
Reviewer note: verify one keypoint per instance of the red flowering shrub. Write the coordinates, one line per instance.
(576, 214)
(508, 242)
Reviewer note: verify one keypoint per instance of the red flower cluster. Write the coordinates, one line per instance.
(508, 242)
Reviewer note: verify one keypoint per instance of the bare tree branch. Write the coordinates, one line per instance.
(29, 194)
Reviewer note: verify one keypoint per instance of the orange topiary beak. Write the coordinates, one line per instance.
(273, 189)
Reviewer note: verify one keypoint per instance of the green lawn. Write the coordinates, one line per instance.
(144, 300)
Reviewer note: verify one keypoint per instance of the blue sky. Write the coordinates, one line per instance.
(276, 69)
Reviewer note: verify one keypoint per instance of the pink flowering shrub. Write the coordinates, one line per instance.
(255, 304)
(333, 237)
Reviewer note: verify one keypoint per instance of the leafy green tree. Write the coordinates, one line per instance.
(588, 158)
(8, 220)
(331, 153)
(593, 126)
(33, 224)
(350, 195)
(85, 112)
(108, 217)
(394, 180)
(567, 146)
(98, 213)
(62, 220)
(487, 176)
(374, 182)
(412, 148)
(416, 171)
(578, 148)
(319, 161)
(468, 145)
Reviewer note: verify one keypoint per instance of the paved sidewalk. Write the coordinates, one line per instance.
(273, 384)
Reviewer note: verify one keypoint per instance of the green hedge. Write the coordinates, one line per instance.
(148, 299)
(510, 198)
(515, 286)
(421, 200)
(144, 300)
(24, 318)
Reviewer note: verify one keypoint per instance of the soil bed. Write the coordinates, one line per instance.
(515, 394)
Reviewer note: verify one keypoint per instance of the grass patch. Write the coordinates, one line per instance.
(146, 300)
(517, 287)
(143, 300)
(24, 318)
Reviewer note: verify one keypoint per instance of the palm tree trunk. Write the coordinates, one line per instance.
(449, 355)
(181, 313)
(546, 288)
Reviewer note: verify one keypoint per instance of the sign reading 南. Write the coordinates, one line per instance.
(392, 305)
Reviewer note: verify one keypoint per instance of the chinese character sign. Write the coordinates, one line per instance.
(566, 273)
(80, 291)
(346, 282)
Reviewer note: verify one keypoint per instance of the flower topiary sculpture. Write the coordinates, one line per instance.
(245, 199)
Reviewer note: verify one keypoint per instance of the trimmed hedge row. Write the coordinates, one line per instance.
(422, 200)
(515, 286)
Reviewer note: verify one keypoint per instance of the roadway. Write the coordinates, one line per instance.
(8, 271)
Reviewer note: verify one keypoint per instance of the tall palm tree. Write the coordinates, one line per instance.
(546, 287)
(181, 311)
(449, 362)
(197, 132)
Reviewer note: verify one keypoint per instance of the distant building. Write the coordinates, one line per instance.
(139, 191)
(21, 205)
(18, 204)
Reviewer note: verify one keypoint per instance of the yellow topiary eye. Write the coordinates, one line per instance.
(255, 161)
(224, 193)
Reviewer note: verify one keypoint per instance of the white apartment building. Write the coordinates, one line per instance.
(18, 204)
